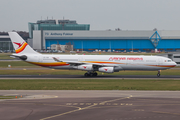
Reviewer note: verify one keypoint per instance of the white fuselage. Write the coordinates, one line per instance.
(117, 62)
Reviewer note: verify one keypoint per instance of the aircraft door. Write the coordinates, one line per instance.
(160, 61)
(128, 62)
(34, 58)
(39, 59)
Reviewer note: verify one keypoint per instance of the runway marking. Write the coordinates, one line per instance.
(88, 103)
(70, 104)
(83, 108)
(34, 103)
(138, 110)
(63, 106)
(104, 107)
(75, 103)
(156, 104)
(81, 104)
(114, 104)
(107, 107)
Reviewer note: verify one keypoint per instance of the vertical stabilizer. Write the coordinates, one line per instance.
(20, 46)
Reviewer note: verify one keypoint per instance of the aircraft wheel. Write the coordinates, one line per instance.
(158, 75)
(86, 74)
(95, 74)
(91, 74)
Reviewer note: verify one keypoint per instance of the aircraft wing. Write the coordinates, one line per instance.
(103, 64)
(69, 62)
(84, 62)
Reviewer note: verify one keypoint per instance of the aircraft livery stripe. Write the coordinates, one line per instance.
(21, 48)
(162, 65)
(65, 64)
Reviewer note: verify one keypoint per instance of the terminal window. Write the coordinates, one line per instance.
(176, 56)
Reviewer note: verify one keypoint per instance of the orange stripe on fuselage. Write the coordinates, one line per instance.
(21, 48)
(162, 65)
(65, 64)
(100, 62)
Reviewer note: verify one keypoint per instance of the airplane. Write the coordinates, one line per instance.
(89, 63)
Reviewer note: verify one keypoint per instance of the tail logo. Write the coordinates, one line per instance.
(19, 44)
(21, 47)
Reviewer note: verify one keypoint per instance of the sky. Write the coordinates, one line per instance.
(100, 14)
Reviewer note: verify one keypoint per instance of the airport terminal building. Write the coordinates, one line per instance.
(142, 41)
(50, 34)
(45, 33)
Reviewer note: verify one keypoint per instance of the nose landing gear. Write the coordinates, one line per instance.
(158, 75)
(90, 74)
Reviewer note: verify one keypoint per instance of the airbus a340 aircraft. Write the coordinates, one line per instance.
(89, 63)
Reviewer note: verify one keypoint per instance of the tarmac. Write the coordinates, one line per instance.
(143, 77)
(90, 105)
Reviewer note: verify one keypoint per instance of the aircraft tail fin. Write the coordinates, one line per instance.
(20, 46)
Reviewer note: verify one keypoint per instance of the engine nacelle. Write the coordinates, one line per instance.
(106, 69)
(85, 67)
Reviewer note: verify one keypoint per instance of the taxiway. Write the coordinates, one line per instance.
(88, 105)
(175, 77)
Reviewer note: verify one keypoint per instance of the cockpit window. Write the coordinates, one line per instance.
(168, 60)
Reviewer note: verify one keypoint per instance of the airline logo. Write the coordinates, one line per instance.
(105, 69)
(124, 58)
(84, 67)
(21, 46)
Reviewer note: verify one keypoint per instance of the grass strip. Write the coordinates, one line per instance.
(4, 64)
(5, 56)
(9, 97)
(89, 84)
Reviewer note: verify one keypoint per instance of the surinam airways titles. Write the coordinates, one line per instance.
(124, 58)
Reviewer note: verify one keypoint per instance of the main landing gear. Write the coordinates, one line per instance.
(158, 75)
(90, 74)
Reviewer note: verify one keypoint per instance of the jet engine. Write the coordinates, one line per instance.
(85, 67)
(106, 69)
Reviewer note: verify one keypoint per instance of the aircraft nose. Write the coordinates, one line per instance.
(175, 64)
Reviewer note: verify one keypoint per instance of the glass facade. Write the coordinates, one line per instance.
(6, 44)
(56, 25)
